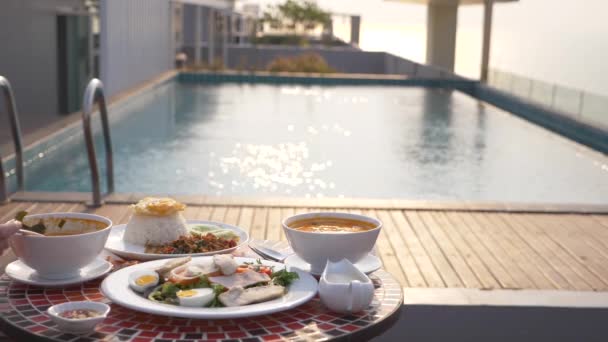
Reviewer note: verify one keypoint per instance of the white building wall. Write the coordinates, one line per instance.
(136, 42)
(28, 59)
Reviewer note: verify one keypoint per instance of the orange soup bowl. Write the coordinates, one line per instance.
(67, 249)
(316, 247)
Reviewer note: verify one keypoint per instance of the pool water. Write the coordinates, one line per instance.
(330, 141)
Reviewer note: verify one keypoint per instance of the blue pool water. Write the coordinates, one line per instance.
(329, 141)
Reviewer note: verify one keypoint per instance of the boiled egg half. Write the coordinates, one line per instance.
(142, 280)
(195, 297)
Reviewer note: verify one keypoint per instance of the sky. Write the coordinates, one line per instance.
(556, 41)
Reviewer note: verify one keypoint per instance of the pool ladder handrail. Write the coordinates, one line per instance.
(11, 108)
(94, 93)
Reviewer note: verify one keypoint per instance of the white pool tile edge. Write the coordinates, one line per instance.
(519, 298)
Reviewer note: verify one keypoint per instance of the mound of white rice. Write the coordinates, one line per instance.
(155, 230)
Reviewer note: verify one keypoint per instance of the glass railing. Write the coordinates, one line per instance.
(583, 105)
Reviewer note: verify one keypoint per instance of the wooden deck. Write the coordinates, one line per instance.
(438, 248)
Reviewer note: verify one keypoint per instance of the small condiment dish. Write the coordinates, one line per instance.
(345, 289)
(79, 326)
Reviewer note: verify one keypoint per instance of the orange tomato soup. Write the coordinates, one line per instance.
(332, 225)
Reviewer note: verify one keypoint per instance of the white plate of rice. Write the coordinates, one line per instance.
(117, 245)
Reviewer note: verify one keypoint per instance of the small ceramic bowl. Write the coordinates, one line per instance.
(78, 326)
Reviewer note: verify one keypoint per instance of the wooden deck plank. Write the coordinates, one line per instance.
(258, 226)
(9, 211)
(592, 252)
(500, 273)
(602, 219)
(204, 213)
(6, 208)
(434, 248)
(537, 252)
(246, 219)
(63, 207)
(443, 265)
(273, 227)
(77, 208)
(386, 253)
(408, 265)
(301, 210)
(485, 277)
(428, 270)
(575, 243)
(520, 251)
(458, 263)
(114, 212)
(495, 246)
(191, 211)
(218, 214)
(594, 232)
(555, 254)
(44, 208)
(232, 215)
(285, 213)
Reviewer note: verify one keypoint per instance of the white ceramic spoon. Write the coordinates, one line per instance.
(29, 232)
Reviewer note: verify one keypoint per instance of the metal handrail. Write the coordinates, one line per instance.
(94, 93)
(9, 100)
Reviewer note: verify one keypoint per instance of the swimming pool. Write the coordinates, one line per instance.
(229, 139)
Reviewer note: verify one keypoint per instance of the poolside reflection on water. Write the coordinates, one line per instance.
(273, 167)
(353, 141)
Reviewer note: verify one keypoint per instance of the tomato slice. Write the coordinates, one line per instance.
(241, 269)
(266, 270)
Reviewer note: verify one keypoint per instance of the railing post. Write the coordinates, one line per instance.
(94, 93)
(581, 102)
(11, 109)
(553, 91)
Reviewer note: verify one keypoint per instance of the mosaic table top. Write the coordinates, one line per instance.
(23, 310)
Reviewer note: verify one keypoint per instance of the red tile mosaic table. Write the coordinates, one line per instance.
(23, 310)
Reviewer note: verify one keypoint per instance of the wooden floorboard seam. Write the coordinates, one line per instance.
(485, 278)
(543, 262)
(443, 267)
(563, 254)
(538, 274)
(501, 276)
(427, 270)
(434, 248)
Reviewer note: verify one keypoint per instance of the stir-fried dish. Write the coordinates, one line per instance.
(219, 282)
(193, 244)
(201, 239)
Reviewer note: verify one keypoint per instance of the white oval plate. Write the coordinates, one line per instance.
(118, 246)
(116, 288)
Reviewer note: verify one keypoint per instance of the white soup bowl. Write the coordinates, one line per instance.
(60, 257)
(317, 247)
